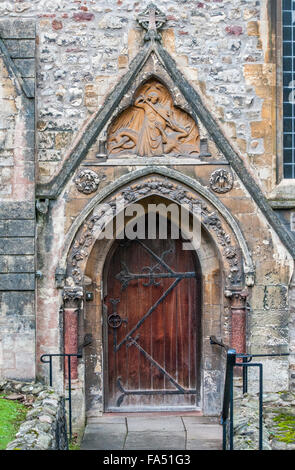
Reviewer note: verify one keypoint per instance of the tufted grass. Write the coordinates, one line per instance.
(285, 428)
(12, 414)
(75, 443)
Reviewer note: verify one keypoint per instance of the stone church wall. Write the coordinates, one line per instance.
(17, 199)
(226, 51)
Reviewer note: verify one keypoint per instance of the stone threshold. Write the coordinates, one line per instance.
(152, 413)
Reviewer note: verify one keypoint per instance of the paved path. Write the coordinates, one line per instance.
(162, 432)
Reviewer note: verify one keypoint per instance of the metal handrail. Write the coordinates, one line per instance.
(214, 340)
(227, 415)
(227, 406)
(69, 399)
(227, 394)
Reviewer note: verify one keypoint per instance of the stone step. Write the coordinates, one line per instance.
(152, 432)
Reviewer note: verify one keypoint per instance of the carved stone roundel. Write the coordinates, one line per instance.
(87, 181)
(221, 181)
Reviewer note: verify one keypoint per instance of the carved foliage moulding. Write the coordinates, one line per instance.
(153, 126)
(82, 246)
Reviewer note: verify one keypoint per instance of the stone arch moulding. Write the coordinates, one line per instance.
(231, 248)
(181, 189)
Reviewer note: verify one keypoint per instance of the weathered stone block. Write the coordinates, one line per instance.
(30, 84)
(8, 359)
(17, 246)
(26, 67)
(82, 16)
(123, 61)
(30, 126)
(212, 393)
(17, 303)
(46, 140)
(266, 340)
(28, 137)
(17, 28)
(278, 297)
(17, 210)
(3, 264)
(272, 273)
(270, 297)
(253, 28)
(19, 48)
(17, 282)
(270, 318)
(48, 155)
(12, 46)
(6, 161)
(29, 109)
(28, 154)
(13, 228)
(5, 189)
(19, 323)
(21, 264)
(62, 139)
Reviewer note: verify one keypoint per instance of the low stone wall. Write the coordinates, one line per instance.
(45, 426)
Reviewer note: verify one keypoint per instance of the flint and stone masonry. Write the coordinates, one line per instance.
(74, 77)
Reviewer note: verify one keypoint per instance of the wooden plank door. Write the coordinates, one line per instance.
(152, 325)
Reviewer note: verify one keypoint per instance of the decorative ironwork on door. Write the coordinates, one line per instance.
(149, 276)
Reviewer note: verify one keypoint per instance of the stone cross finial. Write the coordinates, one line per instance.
(152, 19)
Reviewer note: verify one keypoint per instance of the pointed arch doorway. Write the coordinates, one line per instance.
(152, 327)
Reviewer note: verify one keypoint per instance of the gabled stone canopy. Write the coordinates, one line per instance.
(198, 111)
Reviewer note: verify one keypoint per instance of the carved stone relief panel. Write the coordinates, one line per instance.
(153, 126)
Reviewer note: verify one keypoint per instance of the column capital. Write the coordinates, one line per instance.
(238, 295)
(72, 297)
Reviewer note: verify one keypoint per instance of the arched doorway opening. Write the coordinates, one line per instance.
(92, 255)
(152, 326)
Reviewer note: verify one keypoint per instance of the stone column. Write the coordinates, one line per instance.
(72, 301)
(238, 298)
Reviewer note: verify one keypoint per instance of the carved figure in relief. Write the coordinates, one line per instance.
(153, 126)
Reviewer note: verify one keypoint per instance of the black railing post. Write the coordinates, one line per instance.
(50, 371)
(42, 359)
(231, 423)
(245, 376)
(245, 365)
(260, 406)
(69, 399)
(228, 399)
(70, 396)
(227, 416)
